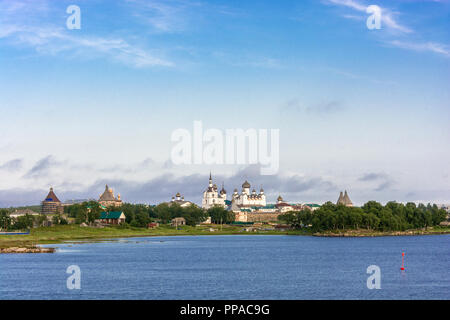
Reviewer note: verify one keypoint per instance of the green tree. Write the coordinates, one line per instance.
(163, 212)
(194, 215)
(300, 219)
(5, 220)
(81, 216)
(23, 222)
(219, 215)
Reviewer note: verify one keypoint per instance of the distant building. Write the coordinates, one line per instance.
(113, 217)
(107, 199)
(51, 204)
(178, 199)
(312, 206)
(344, 199)
(178, 222)
(212, 197)
(207, 221)
(76, 201)
(152, 225)
(269, 212)
(247, 199)
(24, 212)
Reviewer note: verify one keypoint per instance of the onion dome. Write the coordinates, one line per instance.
(246, 184)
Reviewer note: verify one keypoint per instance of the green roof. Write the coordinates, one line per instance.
(313, 205)
(111, 215)
(100, 205)
(269, 206)
(241, 223)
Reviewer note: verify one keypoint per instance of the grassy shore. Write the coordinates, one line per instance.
(59, 234)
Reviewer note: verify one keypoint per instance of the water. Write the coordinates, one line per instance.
(234, 267)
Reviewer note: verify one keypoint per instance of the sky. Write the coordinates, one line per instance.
(358, 109)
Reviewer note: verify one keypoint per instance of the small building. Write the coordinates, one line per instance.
(178, 199)
(207, 221)
(113, 217)
(312, 206)
(152, 225)
(178, 222)
(24, 212)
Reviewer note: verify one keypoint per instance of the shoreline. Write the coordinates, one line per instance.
(36, 249)
(66, 234)
(366, 233)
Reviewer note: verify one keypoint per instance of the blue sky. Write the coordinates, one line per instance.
(358, 109)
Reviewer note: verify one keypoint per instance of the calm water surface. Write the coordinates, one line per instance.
(233, 267)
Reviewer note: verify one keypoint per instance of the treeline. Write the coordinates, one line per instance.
(193, 214)
(27, 221)
(372, 216)
(86, 212)
(139, 215)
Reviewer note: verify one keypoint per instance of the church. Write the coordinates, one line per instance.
(212, 197)
(179, 199)
(107, 199)
(247, 199)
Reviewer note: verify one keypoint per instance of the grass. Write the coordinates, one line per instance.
(58, 234)
(61, 233)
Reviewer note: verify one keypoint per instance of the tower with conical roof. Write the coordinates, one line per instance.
(51, 204)
(347, 200)
(344, 200)
(341, 198)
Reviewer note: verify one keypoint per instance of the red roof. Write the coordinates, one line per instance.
(52, 196)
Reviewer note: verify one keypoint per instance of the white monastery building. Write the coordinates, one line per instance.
(247, 199)
(212, 197)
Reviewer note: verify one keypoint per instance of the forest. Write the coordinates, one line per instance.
(372, 216)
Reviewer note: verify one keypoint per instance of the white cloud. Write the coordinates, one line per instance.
(168, 16)
(20, 27)
(427, 46)
(389, 21)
